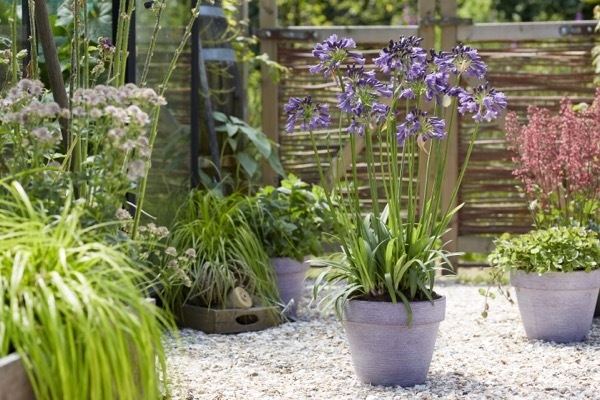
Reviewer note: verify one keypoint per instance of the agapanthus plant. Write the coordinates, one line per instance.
(392, 252)
(558, 160)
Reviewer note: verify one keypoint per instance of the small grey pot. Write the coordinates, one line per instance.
(557, 306)
(384, 349)
(290, 279)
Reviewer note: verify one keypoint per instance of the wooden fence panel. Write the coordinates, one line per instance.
(532, 63)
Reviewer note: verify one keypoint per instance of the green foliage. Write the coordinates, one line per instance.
(379, 264)
(556, 249)
(249, 147)
(72, 307)
(228, 254)
(540, 10)
(347, 12)
(291, 220)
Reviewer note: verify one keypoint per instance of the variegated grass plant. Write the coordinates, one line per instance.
(72, 307)
(228, 253)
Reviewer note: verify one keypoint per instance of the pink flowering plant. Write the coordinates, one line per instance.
(391, 251)
(106, 154)
(558, 161)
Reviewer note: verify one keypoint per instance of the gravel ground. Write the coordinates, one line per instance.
(309, 359)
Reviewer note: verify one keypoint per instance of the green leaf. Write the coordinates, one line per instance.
(219, 116)
(231, 129)
(247, 162)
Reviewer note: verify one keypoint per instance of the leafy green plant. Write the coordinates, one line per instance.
(228, 254)
(73, 308)
(248, 147)
(554, 249)
(291, 220)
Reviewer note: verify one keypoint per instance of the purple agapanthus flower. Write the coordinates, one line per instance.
(360, 99)
(420, 125)
(332, 52)
(437, 86)
(311, 116)
(484, 102)
(403, 55)
(441, 61)
(467, 61)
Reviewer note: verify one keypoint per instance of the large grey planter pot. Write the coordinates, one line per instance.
(290, 279)
(14, 382)
(557, 306)
(384, 349)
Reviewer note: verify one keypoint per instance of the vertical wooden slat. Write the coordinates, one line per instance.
(448, 41)
(427, 32)
(270, 117)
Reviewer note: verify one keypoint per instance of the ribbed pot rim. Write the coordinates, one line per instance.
(387, 313)
(287, 265)
(564, 281)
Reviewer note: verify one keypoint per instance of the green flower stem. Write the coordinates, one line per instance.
(14, 68)
(154, 130)
(86, 48)
(460, 177)
(35, 68)
(371, 170)
(161, 6)
(339, 227)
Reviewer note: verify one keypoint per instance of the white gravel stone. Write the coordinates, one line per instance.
(309, 359)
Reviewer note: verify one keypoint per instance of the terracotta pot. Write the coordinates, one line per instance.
(384, 349)
(290, 279)
(557, 306)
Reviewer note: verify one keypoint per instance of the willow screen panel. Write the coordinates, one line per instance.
(529, 72)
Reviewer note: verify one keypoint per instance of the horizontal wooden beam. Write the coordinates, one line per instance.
(476, 244)
(360, 34)
(524, 31)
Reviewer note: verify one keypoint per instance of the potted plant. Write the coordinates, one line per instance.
(230, 271)
(561, 182)
(556, 276)
(383, 289)
(291, 221)
(72, 306)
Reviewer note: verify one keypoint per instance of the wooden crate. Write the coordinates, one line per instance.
(229, 320)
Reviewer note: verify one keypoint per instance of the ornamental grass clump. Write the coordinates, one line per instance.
(73, 307)
(391, 251)
(558, 160)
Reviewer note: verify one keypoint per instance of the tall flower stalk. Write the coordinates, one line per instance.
(392, 253)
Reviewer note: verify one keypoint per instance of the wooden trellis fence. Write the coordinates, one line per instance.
(532, 63)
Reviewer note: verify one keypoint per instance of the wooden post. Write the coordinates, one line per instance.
(270, 95)
(427, 32)
(448, 41)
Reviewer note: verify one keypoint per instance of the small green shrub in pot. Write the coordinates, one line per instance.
(555, 273)
(556, 249)
(291, 220)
